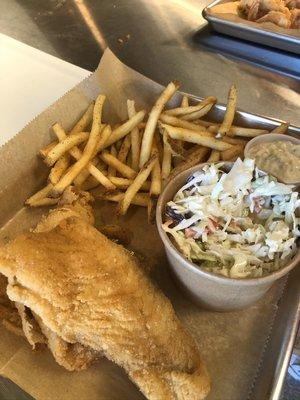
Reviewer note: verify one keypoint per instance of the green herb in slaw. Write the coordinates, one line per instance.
(239, 224)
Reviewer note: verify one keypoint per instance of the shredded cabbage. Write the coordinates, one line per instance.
(240, 224)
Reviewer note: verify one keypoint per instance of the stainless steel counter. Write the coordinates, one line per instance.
(160, 38)
(163, 39)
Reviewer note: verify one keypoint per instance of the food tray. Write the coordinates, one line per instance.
(266, 33)
(246, 352)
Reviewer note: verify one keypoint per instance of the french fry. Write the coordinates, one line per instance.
(125, 128)
(84, 174)
(91, 182)
(235, 151)
(246, 132)
(84, 121)
(135, 138)
(111, 170)
(180, 123)
(45, 150)
(240, 131)
(229, 113)
(46, 201)
(205, 124)
(179, 111)
(101, 178)
(156, 180)
(282, 128)
(184, 126)
(155, 188)
(79, 165)
(198, 114)
(136, 185)
(234, 140)
(105, 134)
(167, 161)
(112, 161)
(211, 126)
(40, 194)
(184, 101)
(88, 151)
(197, 156)
(80, 126)
(76, 153)
(214, 156)
(124, 183)
(59, 168)
(164, 97)
(140, 199)
(175, 146)
(195, 137)
(60, 132)
(124, 149)
(64, 146)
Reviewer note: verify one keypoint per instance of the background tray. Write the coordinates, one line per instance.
(253, 32)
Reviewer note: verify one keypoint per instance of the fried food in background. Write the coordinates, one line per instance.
(283, 13)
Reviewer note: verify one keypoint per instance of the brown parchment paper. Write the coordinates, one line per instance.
(228, 10)
(231, 344)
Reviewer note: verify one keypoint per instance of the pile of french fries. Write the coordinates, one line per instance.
(131, 162)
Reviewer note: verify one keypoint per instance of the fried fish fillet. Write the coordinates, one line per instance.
(90, 293)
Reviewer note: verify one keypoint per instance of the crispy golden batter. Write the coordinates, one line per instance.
(71, 356)
(30, 327)
(89, 292)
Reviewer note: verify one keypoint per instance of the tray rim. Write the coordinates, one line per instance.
(285, 336)
(287, 344)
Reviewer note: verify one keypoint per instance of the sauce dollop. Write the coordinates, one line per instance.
(280, 159)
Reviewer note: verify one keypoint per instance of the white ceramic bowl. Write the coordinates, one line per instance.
(210, 290)
(272, 137)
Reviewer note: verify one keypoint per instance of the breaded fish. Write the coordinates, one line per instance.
(90, 293)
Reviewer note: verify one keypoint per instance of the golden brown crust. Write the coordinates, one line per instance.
(30, 327)
(89, 290)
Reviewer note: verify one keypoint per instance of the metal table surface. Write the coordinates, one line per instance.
(164, 40)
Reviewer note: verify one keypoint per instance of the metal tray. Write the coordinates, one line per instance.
(251, 32)
(280, 334)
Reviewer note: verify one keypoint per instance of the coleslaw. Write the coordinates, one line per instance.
(239, 224)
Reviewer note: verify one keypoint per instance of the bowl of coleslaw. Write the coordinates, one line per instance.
(230, 231)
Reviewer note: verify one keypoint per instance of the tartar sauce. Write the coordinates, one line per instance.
(280, 159)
